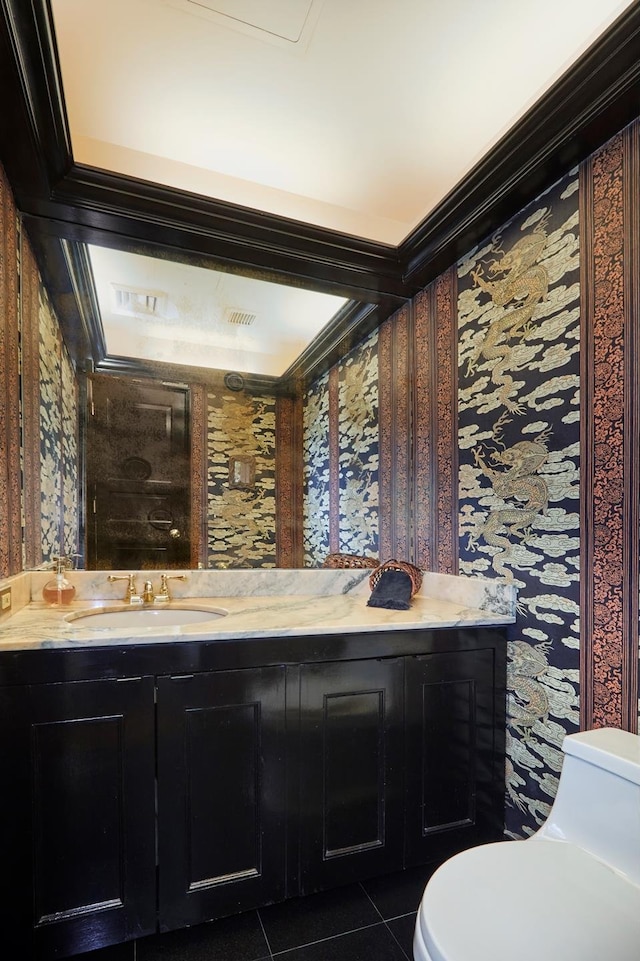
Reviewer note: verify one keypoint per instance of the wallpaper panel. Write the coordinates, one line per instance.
(395, 395)
(315, 453)
(51, 434)
(519, 435)
(241, 522)
(611, 422)
(289, 481)
(425, 429)
(11, 550)
(198, 456)
(30, 396)
(69, 455)
(340, 450)
(358, 449)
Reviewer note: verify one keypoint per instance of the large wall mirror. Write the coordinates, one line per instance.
(190, 383)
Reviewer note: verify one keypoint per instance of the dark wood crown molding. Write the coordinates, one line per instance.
(346, 329)
(60, 199)
(591, 102)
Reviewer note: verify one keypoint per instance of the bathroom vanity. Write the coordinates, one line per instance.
(160, 781)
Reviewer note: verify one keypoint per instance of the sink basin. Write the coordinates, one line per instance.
(140, 617)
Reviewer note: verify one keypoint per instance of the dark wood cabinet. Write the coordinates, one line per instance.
(77, 815)
(351, 778)
(221, 793)
(454, 753)
(152, 787)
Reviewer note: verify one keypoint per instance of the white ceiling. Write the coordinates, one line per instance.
(179, 314)
(356, 115)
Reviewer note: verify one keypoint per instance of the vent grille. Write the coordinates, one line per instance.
(132, 300)
(240, 318)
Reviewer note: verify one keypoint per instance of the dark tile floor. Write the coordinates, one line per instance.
(371, 921)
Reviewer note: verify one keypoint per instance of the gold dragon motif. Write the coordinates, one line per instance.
(520, 281)
(527, 702)
(515, 481)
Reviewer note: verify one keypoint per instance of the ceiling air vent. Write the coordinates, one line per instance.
(240, 318)
(134, 300)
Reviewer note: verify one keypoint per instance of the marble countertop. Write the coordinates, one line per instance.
(340, 608)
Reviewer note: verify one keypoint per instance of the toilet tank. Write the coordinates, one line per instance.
(597, 806)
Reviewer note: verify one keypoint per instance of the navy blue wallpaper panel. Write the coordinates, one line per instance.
(519, 422)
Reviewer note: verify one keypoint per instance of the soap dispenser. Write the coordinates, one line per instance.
(59, 591)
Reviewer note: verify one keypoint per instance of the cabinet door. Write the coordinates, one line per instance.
(455, 791)
(221, 793)
(351, 784)
(77, 815)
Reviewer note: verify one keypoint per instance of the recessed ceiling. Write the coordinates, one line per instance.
(157, 310)
(361, 124)
(359, 116)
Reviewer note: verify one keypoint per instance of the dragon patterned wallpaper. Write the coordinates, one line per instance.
(503, 342)
(358, 449)
(315, 455)
(519, 423)
(340, 451)
(59, 482)
(241, 521)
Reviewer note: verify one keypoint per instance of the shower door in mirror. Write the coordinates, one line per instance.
(138, 474)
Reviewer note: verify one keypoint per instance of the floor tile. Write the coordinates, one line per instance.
(402, 929)
(118, 952)
(375, 943)
(398, 894)
(231, 939)
(318, 916)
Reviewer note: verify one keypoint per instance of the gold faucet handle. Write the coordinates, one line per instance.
(164, 587)
(132, 596)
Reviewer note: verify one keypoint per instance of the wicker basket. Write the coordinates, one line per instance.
(393, 565)
(349, 561)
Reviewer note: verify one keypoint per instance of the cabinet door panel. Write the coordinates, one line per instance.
(351, 777)
(84, 756)
(222, 788)
(73, 761)
(451, 719)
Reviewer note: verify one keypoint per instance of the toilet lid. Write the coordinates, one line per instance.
(530, 900)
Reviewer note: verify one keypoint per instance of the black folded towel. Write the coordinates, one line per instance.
(392, 590)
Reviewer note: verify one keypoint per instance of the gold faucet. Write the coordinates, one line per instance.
(163, 596)
(132, 596)
(148, 596)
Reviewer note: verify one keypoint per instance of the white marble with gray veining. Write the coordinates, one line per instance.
(272, 604)
(483, 593)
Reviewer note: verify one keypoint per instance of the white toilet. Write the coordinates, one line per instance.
(569, 893)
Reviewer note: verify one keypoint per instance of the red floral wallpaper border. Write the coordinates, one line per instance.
(289, 552)
(395, 398)
(10, 468)
(30, 359)
(198, 400)
(446, 447)
(385, 436)
(436, 425)
(402, 362)
(609, 511)
(424, 310)
(334, 460)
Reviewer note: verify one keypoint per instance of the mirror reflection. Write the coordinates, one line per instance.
(174, 465)
(145, 472)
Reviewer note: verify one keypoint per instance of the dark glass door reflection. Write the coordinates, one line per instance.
(137, 475)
